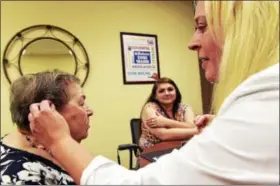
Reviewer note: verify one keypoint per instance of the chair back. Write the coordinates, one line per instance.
(135, 126)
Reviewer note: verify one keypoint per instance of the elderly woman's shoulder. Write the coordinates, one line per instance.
(20, 167)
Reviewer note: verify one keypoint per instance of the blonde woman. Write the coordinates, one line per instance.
(238, 44)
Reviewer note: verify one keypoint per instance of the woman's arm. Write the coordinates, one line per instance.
(189, 115)
(52, 131)
(188, 120)
(72, 156)
(170, 123)
(173, 133)
(232, 136)
(155, 120)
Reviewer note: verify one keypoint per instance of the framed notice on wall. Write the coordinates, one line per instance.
(140, 59)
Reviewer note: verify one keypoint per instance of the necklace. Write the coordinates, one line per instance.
(32, 143)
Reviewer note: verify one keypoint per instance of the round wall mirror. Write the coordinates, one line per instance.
(45, 47)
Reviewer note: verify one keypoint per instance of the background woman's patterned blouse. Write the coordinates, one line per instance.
(147, 139)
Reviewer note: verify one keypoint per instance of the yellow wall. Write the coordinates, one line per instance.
(97, 25)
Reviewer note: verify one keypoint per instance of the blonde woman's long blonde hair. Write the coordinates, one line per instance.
(248, 32)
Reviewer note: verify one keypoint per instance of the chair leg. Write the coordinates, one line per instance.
(118, 157)
(130, 160)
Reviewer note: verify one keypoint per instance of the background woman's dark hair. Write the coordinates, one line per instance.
(33, 88)
(152, 97)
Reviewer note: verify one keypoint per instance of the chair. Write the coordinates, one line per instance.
(135, 127)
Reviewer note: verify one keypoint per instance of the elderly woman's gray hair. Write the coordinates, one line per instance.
(33, 88)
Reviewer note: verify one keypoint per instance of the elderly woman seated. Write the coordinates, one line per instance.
(23, 160)
(164, 117)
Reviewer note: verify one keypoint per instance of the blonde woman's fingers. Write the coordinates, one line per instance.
(45, 105)
(30, 117)
(35, 109)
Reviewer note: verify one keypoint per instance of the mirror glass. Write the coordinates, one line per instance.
(47, 54)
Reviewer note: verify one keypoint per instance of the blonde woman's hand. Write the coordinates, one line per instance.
(46, 124)
(202, 121)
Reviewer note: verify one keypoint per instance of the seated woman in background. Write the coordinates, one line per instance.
(23, 160)
(164, 117)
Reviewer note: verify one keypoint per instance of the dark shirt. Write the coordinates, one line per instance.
(24, 168)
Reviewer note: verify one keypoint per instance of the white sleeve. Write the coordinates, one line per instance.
(233, 150)
(241, 146)
(102, 171)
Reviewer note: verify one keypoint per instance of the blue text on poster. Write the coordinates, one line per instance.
(142, 57)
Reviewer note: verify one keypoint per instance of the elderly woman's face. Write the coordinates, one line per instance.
(208, 51)
(76, 112)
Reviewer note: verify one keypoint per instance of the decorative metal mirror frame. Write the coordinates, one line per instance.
(49, 28)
